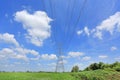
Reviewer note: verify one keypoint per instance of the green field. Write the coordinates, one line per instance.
(85, 75)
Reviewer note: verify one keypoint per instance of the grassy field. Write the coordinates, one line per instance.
(97, 75)
(86, 75)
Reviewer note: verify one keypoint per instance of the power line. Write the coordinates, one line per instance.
(69, 20)
(80, 13)
(60, 64)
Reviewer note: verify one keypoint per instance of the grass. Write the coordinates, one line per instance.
(85, 75)
(97, 75)
(36, 76)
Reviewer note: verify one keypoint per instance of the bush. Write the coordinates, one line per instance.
(75, 69)
(117, 69)
(109, 69)
(103, 66)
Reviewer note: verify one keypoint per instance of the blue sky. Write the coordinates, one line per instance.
(31, 32)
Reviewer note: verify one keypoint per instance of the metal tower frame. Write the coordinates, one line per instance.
(60, 63)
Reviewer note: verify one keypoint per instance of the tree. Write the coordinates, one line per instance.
(75, 69)
(87, 69)
(94, 66)
(115, 66)
(118, 69)
(101, 65)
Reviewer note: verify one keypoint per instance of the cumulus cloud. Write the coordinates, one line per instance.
(19, 52)
(103, 56)
(21, 57)
(63, 62)
(52, 64)
(80, 65)
(79, 32)
(110, 25)
(48, 56)
(113, 48)
(15, 53)
(26, 51)
(98, 34)
(86, 30)
(8, 38)
(75, 54)
(36, 25)
(86, 58)
(6, 52)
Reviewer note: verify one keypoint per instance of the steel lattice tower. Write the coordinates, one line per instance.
(60, 63)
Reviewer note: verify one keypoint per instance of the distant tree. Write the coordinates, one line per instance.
(118, 69)
(3, 71)
(80, 70)
(101, 65)
(115, 66)
(87, 69)
(94, 66)
(27, 71)
(75, 69)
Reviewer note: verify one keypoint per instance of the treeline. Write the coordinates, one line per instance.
(25, 72)
(103, 66)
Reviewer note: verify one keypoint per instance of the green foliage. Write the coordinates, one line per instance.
(84, 75)
(35, 76)
(101, 65)
(97, 75)
(111, 67)
(117, 69)
(75, 69)
(96, 71)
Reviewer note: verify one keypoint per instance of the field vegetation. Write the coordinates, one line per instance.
(96, 71)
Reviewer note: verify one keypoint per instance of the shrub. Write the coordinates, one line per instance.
(117, 69)
(75, 69)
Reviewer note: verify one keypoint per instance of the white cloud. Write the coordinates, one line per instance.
(98, 34)
(36, 24)
(113, 48)
(86, 30)
(2, 56)
(17, 53)
(117, 58)
(103, 56)
(110, 25)
(21, 57)
(86, 58)
(75, 54)
(52, 64)
(14, 52)
(35, 58)
(26, 51)
(8, 38)
(63, 62)
(49, 57)
(7, 52)
(79, 32)
(80, 65)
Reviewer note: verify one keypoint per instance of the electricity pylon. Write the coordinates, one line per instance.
(60, 63)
